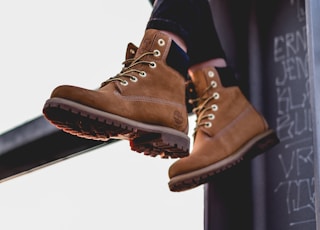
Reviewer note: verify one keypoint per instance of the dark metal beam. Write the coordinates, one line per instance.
(36, 144)
(313, 29)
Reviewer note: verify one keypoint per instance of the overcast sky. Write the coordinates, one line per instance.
(44, 44)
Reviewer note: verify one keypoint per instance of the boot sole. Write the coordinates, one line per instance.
(89, 123)
(253, 148)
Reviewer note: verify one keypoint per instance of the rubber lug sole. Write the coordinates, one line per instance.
(89, 123)
(253, 148)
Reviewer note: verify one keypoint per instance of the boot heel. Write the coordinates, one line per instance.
(265, 141)
(161, 144)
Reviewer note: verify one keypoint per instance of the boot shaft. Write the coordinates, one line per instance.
(220, 101)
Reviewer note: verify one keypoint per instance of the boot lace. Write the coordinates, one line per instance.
(129, 69)
(205, 104)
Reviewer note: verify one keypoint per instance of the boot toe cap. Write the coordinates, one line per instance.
(181, 166)
(67, 91)
(77, 94)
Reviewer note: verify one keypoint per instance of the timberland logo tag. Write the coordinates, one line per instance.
(178, 119)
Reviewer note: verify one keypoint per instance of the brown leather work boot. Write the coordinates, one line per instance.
(228, 129)
(144, 103)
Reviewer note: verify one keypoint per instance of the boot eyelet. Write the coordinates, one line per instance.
(152, 65)
(161, 42)
(142, 74)
(156, 53)
(124, 83)
(208, 124)
(214, 107)
(216, 95)
(211, 116)
(214, 84)
(133, 79)
(210, 73)
(132, 51)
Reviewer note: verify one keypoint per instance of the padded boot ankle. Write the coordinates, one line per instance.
(228, 130)
(144, 103)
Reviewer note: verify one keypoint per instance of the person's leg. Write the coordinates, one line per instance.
(228, 128)
(155, 100)
(144, 103)
(190, 24)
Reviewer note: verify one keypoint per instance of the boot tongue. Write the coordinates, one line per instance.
(131, 51)
(200, 81)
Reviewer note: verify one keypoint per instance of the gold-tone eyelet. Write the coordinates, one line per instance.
(214, 84)
(124, 83)
(132, 51)
(210, 73)
(214, 107)
(208, 124)
(211, 116)
(142, 74)
(161, 42)
(216, 95)
(152, 65)
(133, 79)
(156, 53)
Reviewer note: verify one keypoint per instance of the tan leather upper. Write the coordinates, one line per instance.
(157, 98)
(235, 122)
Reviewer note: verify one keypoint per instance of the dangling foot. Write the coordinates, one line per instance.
(144, 103)
(228, 130)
